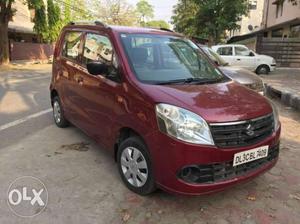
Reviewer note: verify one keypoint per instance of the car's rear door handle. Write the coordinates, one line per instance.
(79, 79)
(238, 59)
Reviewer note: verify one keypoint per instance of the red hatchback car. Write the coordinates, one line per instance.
(168, 115)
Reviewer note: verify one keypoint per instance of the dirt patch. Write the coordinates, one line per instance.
(81, 146)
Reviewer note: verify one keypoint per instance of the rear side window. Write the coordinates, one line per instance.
(227, 51)
(97, 48)
(71, 47)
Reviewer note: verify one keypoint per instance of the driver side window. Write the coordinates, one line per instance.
(242, 51)
(98, 48)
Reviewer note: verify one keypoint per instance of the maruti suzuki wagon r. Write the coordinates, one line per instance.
(168, 115)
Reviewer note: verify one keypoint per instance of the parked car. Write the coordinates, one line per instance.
(240, 75)
(168, 115)
(241, 56)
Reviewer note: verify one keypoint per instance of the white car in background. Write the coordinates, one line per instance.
(241, 56)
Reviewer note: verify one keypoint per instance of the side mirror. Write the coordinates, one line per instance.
(251, 54)
(217, 63)
(97, 68)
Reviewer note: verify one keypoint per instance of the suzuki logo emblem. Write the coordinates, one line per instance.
(249, 130)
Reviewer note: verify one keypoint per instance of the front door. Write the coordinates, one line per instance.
(97, 95)
(244, 58)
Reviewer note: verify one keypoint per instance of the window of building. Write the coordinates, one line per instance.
(277, 33)
(253, 5)
(71, 47)
(295, 31)
(227, 51)
(279, 9)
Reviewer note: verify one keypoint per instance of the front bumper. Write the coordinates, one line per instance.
(272, 67)
(169, 156)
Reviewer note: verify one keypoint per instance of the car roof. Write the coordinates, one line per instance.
(121, 29)
(228, 45)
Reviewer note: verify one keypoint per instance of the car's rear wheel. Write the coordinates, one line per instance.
(263, 70)
(135, 166)
(58, 113)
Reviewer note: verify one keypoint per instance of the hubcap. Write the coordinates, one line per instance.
(56, 112)
(134, 166)
(263, 70)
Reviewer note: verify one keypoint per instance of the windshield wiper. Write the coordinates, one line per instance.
(191, 81)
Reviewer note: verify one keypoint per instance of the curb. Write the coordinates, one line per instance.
(287, 98)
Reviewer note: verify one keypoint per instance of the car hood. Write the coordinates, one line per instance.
(222, 102)
(265, 57)
(241, 75)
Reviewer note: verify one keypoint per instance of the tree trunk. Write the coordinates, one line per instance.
(4, 43)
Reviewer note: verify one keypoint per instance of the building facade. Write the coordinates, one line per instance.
(23, 40)
(252, 21)
(281, 19)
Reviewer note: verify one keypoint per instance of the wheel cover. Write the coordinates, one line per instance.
(263, 69)
(134, 167)
(56, 112)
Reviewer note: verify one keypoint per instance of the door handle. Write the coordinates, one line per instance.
(238, 59)
(79, 79)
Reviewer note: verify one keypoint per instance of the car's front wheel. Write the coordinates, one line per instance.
(263, 70)
(134, 165)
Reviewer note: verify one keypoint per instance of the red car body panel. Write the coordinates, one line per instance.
(101, 108)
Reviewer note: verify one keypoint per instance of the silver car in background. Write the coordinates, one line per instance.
(240, 75)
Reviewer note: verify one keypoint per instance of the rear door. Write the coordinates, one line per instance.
(69, 64)
(244, 58)
(226, 53)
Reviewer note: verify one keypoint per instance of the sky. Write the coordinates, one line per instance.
(162, 8)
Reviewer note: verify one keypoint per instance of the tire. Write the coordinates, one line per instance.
(137, 173)
(263, 70)
(58, 113)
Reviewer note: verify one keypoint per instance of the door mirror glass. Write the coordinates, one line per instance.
(97, 68)
(251, 54)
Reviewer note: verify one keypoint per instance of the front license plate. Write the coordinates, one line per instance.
(250, 155)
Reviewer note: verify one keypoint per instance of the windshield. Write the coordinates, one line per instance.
(214, 56)
(160, 59)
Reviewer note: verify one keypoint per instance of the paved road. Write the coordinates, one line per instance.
(23, 92)
(82, 179)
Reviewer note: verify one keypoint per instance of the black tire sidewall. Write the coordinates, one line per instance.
(149, 186)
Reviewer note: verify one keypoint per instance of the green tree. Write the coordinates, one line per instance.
(184, 18)
(6, 13)
(40, 19)
(158, 24)
(145, 11)
(116, 12)
(54, 21)
(76, 10)
(209, 18)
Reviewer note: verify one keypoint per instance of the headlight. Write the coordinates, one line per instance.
(273, 61)
(183, 124)
(276, 116)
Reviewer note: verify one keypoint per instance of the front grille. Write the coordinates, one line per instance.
(217, 172)
(244, 133)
